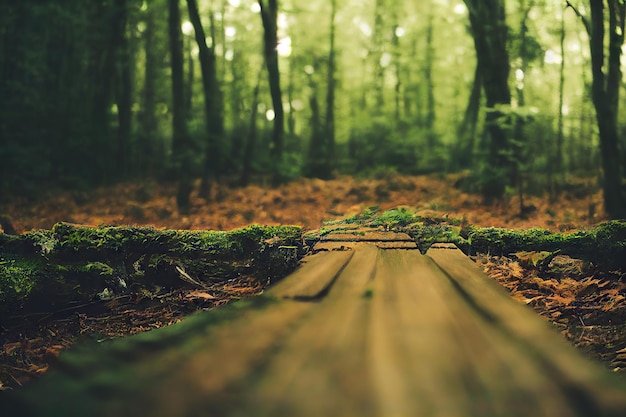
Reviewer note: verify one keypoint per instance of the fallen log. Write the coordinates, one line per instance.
(48, 270)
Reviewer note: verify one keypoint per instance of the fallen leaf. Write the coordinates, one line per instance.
(200, 294)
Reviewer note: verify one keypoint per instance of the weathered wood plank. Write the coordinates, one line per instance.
(392, 333)
(396, 245)
(366, 236)
(320, 369)
(585, 387)
(314, 277)
(334, 246)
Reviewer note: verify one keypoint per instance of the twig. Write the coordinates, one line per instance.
(579, 14)
(64, 310)
(185, 277)
(16, 381)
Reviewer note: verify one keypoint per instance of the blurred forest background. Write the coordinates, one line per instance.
(521, 95)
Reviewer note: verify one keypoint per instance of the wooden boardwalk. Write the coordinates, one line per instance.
(373, 329)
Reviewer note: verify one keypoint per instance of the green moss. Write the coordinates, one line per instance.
(395, 217)
(427, 234)
(70, 263)
(18, 277)
(605, 245)
(99, 268)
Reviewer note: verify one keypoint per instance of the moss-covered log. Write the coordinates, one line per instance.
(604, 245)
(51, 269)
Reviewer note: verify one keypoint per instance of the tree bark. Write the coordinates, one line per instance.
(248, 155)
(149, 150)
(558, 155)
(212, 103)
(124, 88)
(605, 94)
(487, 20)
(269, 16)
(429, 124)
(466, 131)
(180, 141)
(329, 127)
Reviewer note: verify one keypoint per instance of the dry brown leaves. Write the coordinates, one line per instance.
(30, 344)
(573, 302)
(587, 305)
(306, 202)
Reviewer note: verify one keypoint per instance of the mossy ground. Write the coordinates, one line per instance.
(70, 282)
(74, 264)
(110, 281)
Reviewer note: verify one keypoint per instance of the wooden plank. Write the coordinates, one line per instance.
(336, 246)
(314, 277)
(321, 368)
(396, 245)
(194, 375)
(443, 246)
(369, 236)
(587, 388)
(397, 333)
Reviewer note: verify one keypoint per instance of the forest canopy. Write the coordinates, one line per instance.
(522, 95)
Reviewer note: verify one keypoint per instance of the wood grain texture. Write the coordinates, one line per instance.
(392, 333)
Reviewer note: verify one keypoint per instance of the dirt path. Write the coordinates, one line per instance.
(368, 330)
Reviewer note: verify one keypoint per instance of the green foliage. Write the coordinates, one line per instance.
(99, 268)
(380, 146)
(18, 277)
(290, 166)
(62, 82)
(605, 245)
(76, 263)
(395, 217)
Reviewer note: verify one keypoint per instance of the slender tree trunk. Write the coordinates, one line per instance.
(190, 79)
(246, 171)
(329, 125)
(487, 19)
(102, 70)
(291, 117)
(605, 94)
(395, 41)
(430, 86)
(558, 155)
(269, 16)
(124, 89)
(466, 132)
(149, 150)
(377, 54)
(181, 148)
(518, 146)
(212, 106)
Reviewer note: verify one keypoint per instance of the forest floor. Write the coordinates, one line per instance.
(586, 303)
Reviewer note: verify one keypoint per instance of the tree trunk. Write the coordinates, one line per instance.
(377, 54)
(605, 94)
(149, 150)
(181, 148)
(329, 127)
(252, 136)
(558, 155)
(466, 132)
(212, 106)
(429, 124)
(269, 16)
(124, 89)
(487, 20)
(317, 151)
